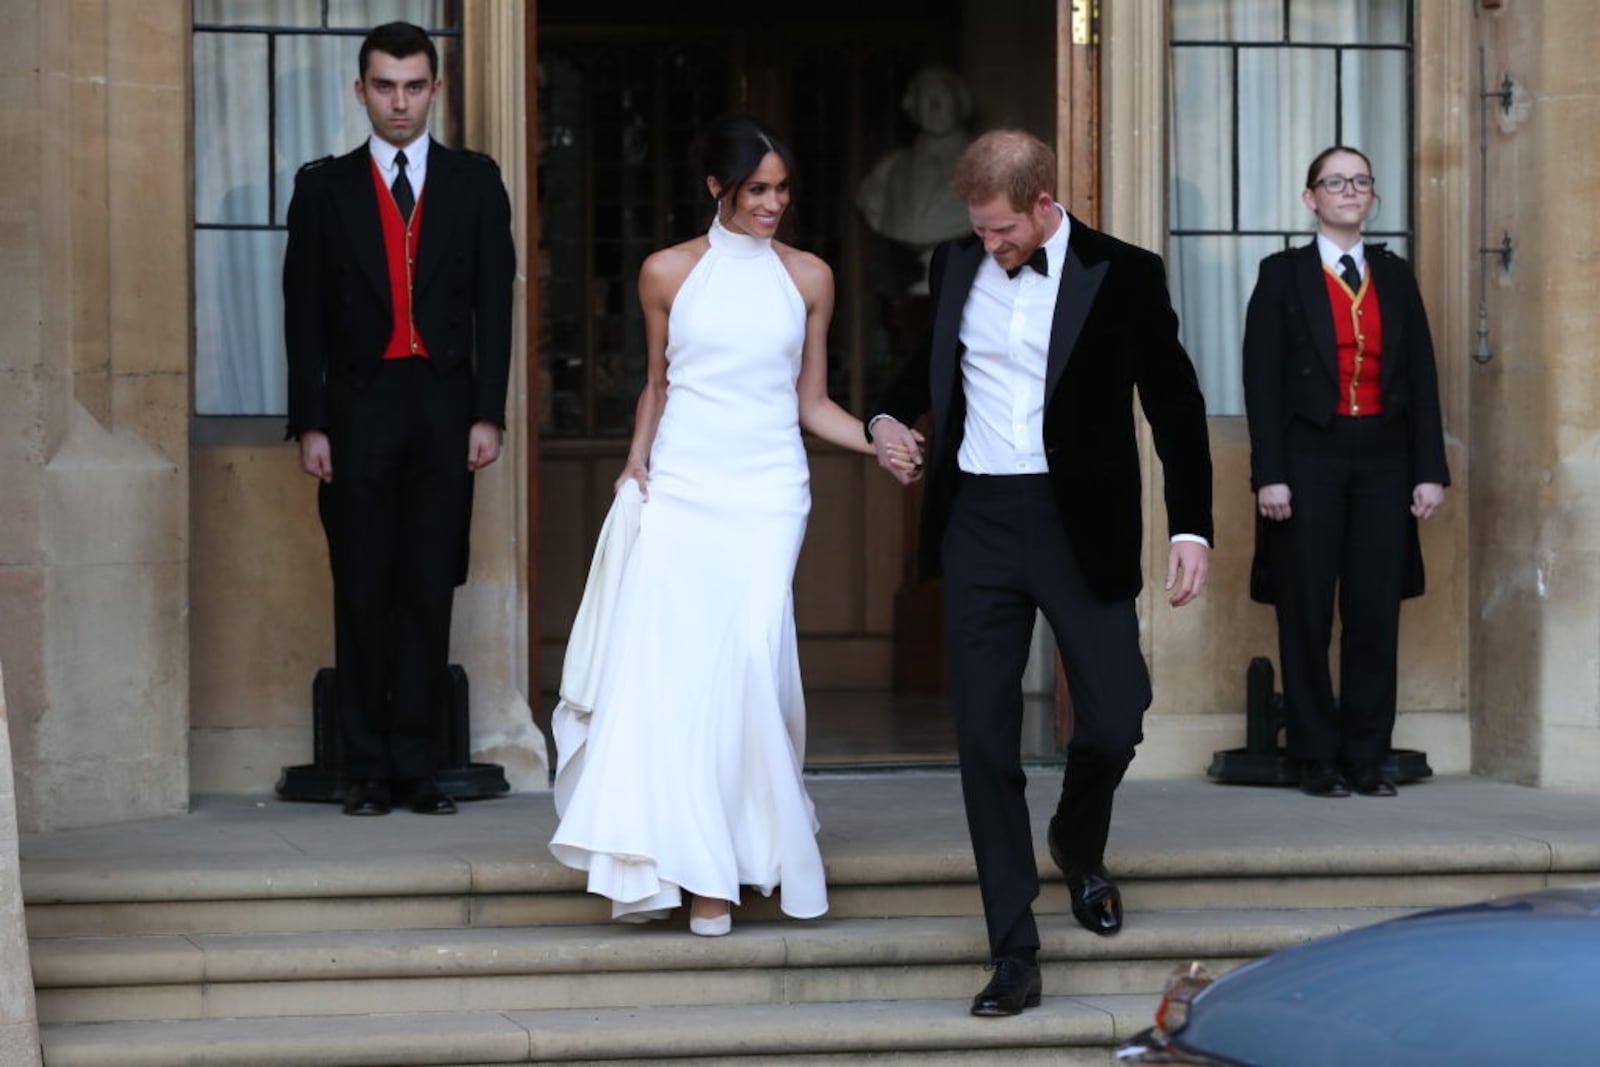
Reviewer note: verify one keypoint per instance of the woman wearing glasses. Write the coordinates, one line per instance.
(1346, 454)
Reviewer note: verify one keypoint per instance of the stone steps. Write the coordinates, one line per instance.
(430, 892)
(275, 936)
(1070, 1031)
(209, 976)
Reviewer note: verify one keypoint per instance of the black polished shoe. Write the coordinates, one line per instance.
(1374, 782)
(426, 798)
(367, 798)
(1015, 986)
(1318, 779)
(1096, 901)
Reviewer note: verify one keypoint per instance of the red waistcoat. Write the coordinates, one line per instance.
(1358, 332)
(400, 253)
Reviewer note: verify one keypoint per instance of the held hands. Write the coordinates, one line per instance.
(899, 450)
(483, 444)
(1427, 499)
(1273, 501)
(1188, 563)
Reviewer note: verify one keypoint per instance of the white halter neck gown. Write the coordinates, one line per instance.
(687, 774)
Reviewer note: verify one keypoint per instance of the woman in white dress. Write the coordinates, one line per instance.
(686, 775)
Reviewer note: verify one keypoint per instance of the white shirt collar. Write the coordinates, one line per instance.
(1055, 249)
(383, 154)
(1331, 252)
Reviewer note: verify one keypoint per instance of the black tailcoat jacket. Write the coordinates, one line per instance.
(1291, 371)
(337, 309)
(1114, 330)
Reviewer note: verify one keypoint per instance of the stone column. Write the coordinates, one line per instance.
(1535, 446)
(491, 616)
(94, 390)
(19, 1026)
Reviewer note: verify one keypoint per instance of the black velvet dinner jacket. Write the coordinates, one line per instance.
(1114, 329)
(337, 308)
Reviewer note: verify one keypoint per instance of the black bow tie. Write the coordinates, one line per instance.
(1038, 261)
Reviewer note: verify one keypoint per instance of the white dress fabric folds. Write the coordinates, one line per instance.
(681, 729)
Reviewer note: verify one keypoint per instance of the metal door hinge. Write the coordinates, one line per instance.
(1085, 22)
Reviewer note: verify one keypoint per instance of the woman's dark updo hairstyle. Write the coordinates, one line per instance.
(1314, 171)
(733, 146)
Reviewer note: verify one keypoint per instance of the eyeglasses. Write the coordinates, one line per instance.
(1335, 183)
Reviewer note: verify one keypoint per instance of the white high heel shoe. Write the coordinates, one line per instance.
(715, 926)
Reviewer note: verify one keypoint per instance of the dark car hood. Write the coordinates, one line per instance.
(1508, 983)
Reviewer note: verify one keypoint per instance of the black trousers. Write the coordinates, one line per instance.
(1350, 496)
(396, 517)
(1006, 557)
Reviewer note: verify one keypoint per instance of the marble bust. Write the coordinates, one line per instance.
(907, 195)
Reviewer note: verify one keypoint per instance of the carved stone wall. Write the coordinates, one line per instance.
(94, 394)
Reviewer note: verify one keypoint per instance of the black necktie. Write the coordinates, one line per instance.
(1038, 261)
(404, 198)
(1348, 271)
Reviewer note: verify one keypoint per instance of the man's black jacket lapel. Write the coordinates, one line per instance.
(1079, 284)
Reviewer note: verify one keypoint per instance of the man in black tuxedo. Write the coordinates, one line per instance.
(397, 310)
(1042, 329)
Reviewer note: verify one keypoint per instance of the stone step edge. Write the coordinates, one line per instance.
(173, 959)
(389, 874)
(594, 1034)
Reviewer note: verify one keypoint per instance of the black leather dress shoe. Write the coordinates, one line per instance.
(1096, 901)
(426, 798)
(1322, 780)
(1374, 782)
(367, 798)
(1015, 986)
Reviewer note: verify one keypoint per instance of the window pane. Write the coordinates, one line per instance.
(1211, 282)
(442, 116)
(317, 113)
(561, 239)
(1286, 116)
(1227, 20)
(1349, 21)
(364, 14)
(1374, 118)
(258, 12)
(232, 165)
(238, 320)
(1400, 246)
(1202, 139)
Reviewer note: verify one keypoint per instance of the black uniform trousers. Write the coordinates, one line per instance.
(1005, 558)
(1350, 496)
(396, 516)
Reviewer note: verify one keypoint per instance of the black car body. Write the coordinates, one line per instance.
(1513, 982)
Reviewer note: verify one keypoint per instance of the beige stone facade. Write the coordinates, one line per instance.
(19, 1023)
(164, 602)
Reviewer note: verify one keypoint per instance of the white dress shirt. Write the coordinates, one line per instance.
(383, 154)
(1005, 328)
